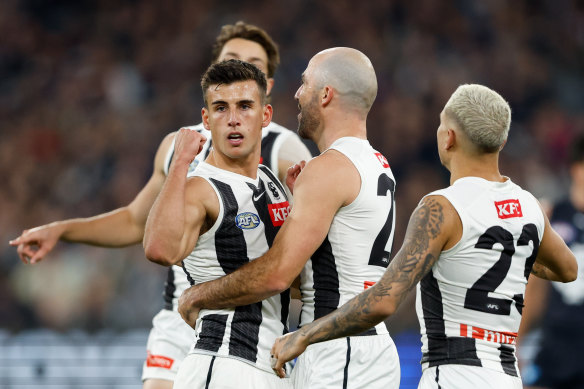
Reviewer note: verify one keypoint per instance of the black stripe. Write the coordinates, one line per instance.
(267, 146)
(208, 151)
(346, 370)
(260, 201)
(441, 349)
(508, 360)
(326, 280)
(285, 311)
(438, 375)
(230, 244)
(209, 373)
(245, 329)
(170, 160)
(272, 177)
(169, 289)
(189, 278)
(213, 329)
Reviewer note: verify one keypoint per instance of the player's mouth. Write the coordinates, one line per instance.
(235, 138)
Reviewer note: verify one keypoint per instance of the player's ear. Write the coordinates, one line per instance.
(205, 117)
(450, 140)
(327, 95)
(268, 112)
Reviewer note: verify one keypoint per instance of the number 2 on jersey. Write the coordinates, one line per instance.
(380, 257)
(477, 297)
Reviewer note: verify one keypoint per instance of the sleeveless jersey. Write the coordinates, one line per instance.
(356, 251)
(251, 212)
(469, 306)
(273, 136)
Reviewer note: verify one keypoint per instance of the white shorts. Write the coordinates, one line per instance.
(465, 377)
(201, 371)
(168, 344)
(356, 362)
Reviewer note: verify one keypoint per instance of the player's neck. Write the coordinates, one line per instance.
(339, 127)
(486, 167)
(246, 166)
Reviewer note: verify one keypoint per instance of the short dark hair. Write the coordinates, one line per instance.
(233, 70)
(577, 150)
(251, 33)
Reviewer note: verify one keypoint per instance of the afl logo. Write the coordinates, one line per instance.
(247, 220)
(193, 166)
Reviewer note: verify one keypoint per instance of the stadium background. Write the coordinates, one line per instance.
(88, 89)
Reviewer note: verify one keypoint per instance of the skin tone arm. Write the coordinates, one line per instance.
(292, 151)
(555, 261)
(121, 227)
(184, 208)
(301, 234)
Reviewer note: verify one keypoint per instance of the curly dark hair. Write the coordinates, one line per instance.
(252, 33)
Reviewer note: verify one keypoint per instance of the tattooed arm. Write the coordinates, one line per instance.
(434, 226)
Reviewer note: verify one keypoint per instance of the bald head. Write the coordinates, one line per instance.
(349, 72)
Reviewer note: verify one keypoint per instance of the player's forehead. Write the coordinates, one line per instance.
(245, 50)
(234, 92)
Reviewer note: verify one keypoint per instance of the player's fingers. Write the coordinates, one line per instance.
(15, 241)
(39, 255)
(279, 367)
(25, 253)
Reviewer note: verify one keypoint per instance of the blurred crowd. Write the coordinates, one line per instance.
(88, 89)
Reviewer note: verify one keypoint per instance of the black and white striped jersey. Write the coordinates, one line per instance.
(469, 306)
(251, 213)
(356, 251)
(275, 138)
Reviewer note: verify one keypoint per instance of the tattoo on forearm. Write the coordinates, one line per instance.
(542, 272)
(411, 263)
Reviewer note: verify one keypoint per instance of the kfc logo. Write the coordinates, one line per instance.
(279, 212)
(158, 361)
(508, 208)
(367, 284)
(382, 160)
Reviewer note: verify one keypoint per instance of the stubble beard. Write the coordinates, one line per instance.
(309, 122)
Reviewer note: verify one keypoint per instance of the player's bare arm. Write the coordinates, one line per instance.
(184, 208)
(433, 226)
(291, 152)
(118, 228)
(555, 261)
(318, 196)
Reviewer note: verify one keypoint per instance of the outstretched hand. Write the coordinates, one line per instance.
(189, 313)
(292, 174)
(285, 349)
(32, 245)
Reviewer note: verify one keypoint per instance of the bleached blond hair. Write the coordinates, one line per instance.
(483, 115)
